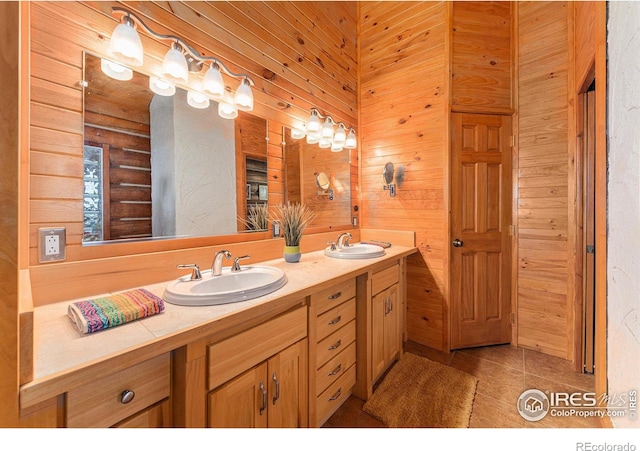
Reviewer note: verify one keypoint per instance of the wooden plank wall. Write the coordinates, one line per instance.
(543, 305)
(310, 62)
(404, 117)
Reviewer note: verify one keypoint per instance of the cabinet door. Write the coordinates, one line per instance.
(384, 329)
(288, 387)
(242, 402)
(156, 416)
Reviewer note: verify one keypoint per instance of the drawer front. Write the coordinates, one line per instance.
(98, 403)
(335, 368)
(333, 397)
(335, 318)
(336, 295)
(384, 279)
(236, 354)
(335, 343)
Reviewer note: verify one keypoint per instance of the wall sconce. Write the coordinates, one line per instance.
(388, 175)
(180, 60)
(324, 134)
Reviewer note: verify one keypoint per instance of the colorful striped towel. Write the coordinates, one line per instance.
(111, 311)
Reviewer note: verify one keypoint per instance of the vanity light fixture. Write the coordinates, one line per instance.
(180, 60)
(325, 135)
(115, 70)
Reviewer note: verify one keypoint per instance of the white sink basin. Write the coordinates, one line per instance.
(249, 283)
(356, 251)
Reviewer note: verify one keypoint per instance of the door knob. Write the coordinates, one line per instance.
(457, 243)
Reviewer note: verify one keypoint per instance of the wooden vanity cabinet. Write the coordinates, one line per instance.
(386, 337)
(332, 349)
(258, 378)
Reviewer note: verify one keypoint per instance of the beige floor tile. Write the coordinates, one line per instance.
(506, 355)
(429, 353)
(557, 369)
(490, 413)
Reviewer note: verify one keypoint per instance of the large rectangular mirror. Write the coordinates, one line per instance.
(156, 167)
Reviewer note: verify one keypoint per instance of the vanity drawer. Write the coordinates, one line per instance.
(335, 318)
(382, 280)
(331, 297)
(333, 397)
(98, 403)
(335, 368)
(335, 343)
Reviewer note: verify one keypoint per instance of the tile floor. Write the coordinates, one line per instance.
(503, 373)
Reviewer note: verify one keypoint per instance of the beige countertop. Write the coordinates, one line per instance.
(62, 354)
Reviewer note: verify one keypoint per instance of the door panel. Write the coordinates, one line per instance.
(480, 221)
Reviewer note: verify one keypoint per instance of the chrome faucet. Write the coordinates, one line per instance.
(216, 265)
(343, 240)
(236, 263)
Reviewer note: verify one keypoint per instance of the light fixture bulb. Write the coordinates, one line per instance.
(243, 99)
(336, 147)
(351, 142)
(174, 65)
(197, 99)
(161, 87)
(340, 136)
(115, 70)
(125, 45)
(327, 129)
(226, 108)
(212, 83)
(313, 138)
(313, 124)
(324, 143)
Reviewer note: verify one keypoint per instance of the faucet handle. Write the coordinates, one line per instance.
(332, 245)
(195, 273)
(346, 240)
(236, 263)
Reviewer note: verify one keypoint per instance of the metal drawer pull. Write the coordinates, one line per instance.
(263, 407)
(277, 382)
(335, 321)
(335, 295)
(127, 396)
(336, 371)
(335, 346)
(337, 395)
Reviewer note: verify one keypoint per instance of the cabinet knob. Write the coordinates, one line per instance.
(127, 396)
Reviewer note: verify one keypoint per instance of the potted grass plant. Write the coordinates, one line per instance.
(257, 217)
(294, 218)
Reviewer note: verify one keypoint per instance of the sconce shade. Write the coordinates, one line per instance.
(161, 87)
(327, 130)
(125, 45)
(351, 142)
(115, 70)
(174, 66)
(313, 139)
(244, 96)
(324, 143)
(212, 83)
(297, 133)
(336, 147)
(313, 124)
(340, 136)
(197, 100)
(226, 108)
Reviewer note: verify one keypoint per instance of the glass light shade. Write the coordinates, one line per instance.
(336, 147)
(244, 96)
(197, 100)
(174, 66)
(226, 108)
(324, 143)
(161, 87)
(212, 83)
(313, 124)
(297, 133)
(115, 70)
(313, 138)
(327, 130)
(125, 45)
(351, 142)
(340, 136)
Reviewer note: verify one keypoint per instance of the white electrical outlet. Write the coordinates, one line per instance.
(52, 244)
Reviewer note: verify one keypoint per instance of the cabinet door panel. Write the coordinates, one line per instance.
(288, 387)
(241, 402)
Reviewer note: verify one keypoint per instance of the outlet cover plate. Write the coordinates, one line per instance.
(52, 244)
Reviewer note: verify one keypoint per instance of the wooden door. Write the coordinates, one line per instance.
(589, 256)
(242, 402)
(480, 224)
(288, 387)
